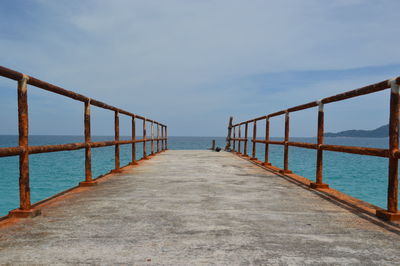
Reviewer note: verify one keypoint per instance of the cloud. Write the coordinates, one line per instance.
(194, 63)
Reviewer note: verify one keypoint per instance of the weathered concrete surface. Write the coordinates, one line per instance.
(198, 207)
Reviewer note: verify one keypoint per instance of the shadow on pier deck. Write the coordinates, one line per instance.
(198, 207)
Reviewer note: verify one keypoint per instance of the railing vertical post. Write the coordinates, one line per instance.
(393, 146)
(133, 139)
(320, 140)
(162, 138)
(246, 138)
(24, 189)
(266, 152)
(392, 213)
(152, 137)
(158, 138)
(25, 209)
(253, 156)
(166, 138)
(117, 147)
(286, 147)
(88, 150)
(239, 150)
(144, 139)
(234, 138)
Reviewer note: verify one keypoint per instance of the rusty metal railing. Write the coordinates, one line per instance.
(24, 149)
(392, 153)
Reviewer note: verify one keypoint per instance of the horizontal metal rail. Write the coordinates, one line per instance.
(12, 74)
(392, 153)
(24, 149)
(380, 86)
(13, 151)
(328, 147)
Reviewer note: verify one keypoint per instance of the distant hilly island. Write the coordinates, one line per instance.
(380, 132)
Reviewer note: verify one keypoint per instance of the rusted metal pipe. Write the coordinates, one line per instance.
(240, 139)
(336, 148)
(117, 148)
(133, 139)
(275, 142)
(12, 74)
(24, 188)
(65, 147)
(88, 149)
(266, 152)
(162, 138)
(239, 132)
(158, 138)
(303, 106)
(253, 154)
(339, 97)
(356, 150)
(234, 139)
(246, 129)
(122, 142)
(320, 140)
(10, 151)
(277, 113)
(152, 138)
(50, 87)
(392, 201)
(251, 120)
(303, 145)
(100, 144)
(56, 148)
(286, 147)
(358, 92)
(145, 139)
(166, 138)
(392, 213)
(140, 117)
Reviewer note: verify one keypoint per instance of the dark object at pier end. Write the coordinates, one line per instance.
(213, 145)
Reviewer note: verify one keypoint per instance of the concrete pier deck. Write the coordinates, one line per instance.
(198, 208)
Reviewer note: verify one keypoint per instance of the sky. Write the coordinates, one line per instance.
(191, 64)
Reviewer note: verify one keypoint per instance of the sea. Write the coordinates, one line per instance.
(363, 177)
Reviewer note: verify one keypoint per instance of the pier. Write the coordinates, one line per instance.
(199, 207)
(182, 207)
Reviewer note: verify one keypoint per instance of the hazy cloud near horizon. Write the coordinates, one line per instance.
(192, 64)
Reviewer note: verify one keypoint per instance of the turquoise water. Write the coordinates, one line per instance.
(364, 177)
